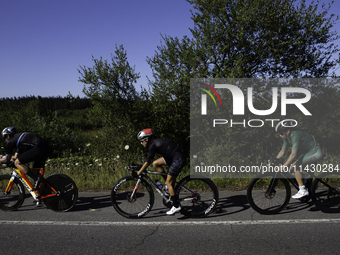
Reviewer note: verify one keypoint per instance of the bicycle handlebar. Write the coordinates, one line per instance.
(133, 167)
(10, 164)
(275, 161)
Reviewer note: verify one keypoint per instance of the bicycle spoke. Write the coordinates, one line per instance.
(198, 197)
(268, 196)
(131, 202)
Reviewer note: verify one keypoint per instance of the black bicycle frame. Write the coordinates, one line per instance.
(144, 175)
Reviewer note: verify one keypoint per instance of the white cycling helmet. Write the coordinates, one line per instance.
(284, 125)
(8, 131)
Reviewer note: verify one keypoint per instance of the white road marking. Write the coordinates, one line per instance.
(167, 223)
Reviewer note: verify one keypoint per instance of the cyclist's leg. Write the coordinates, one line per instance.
(177, 164)
(297, 174)
(38, 164)
(38, 155)
(23, 159)
(158, 166)
(309, 158)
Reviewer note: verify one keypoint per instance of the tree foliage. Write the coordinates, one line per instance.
(264, 38)
(116, 103)
(244, 39)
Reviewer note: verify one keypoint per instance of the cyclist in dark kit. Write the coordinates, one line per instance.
(305, 150)
(172, 157)
(28, 147)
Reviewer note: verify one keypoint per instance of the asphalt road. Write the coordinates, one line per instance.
(93, 226)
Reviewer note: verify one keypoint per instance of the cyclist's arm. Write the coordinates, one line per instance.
(281, 154)
(143, 168)
(291, 158)
(15, 156)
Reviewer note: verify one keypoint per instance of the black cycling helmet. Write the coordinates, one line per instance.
(8, 131)
(284, 125)
(145, 133)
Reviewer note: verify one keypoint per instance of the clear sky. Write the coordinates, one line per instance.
(43, 42)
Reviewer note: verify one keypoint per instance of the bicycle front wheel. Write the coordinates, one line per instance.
(198, 196)
(129, 206)
(267, 195)
(13, 200)
(67, 192)
(326, 192)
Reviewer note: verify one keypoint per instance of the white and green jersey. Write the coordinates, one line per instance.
(307, 148)
(301, 142)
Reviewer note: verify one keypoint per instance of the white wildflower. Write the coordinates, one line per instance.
(126, 147)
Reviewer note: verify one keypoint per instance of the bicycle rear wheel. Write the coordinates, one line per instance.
(326, 192)
(267, 195)
(13, 200)
(67, 192)
(198, 196)
(132, 207)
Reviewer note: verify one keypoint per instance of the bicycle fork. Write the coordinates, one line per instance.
(272, 185)
(135, 189)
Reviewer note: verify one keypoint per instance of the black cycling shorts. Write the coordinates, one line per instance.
(38, 155)
(176, 163)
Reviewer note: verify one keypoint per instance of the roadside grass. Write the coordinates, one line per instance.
(100, 174)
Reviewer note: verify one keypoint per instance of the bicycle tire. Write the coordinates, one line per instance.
(140, 205)
(67, 192)
(198, 196)
(264, 202)
(13, 200)
(326, 192)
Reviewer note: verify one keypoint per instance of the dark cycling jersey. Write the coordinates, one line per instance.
(161, 146)
(23, 142)
(172, 155)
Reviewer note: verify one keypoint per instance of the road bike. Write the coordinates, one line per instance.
(134, 197)
(58, 191)
(269, 193)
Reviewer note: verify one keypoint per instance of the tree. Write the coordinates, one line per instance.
(243, 39)
(265, 38)
(173, 65)
(116, 102)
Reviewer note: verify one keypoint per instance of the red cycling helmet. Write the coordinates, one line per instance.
(145, 133)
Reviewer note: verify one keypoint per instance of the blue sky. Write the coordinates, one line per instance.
(43, 42)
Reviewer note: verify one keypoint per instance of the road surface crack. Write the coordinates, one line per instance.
(143, 240)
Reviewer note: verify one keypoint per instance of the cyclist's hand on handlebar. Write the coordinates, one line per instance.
(134, 174)
(275, 161)
(11, 163)
(2, 156)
